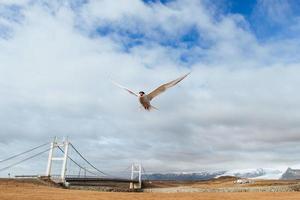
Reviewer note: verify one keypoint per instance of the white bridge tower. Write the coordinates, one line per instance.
(53, 146)
(136, 171)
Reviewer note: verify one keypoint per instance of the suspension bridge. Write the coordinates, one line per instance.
(86, 174)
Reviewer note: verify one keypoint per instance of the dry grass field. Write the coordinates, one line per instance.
(12, 190)
(222, 182)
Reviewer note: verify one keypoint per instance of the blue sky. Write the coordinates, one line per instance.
(57, 58)
(265, 24)
(242, 7)
(260, 20)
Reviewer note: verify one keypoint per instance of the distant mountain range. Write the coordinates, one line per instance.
(259, 173)
(184, 176)
(291, 174)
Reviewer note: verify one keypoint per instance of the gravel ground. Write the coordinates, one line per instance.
(286, 188)
(11, 190)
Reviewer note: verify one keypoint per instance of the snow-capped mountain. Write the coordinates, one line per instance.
(281, 172)
(260, 173)
(183, 176)
(291, 174)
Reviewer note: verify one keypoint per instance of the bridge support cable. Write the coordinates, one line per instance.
(88, 161)
(23, 160)
(20, 154)
(124, 173)
(145, 174)
(64, 148)
(76, 163)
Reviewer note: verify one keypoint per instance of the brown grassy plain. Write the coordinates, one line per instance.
(11, 190)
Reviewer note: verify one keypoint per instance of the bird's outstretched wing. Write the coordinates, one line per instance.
(163, 87)
(128, 90)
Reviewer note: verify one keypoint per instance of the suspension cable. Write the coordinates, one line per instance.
(124, 173)
(17, 155)
(145, 174)
(28, 158)
(88, 161)
(78, 164)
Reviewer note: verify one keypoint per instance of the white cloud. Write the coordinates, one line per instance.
(54, 80)
(275, 11)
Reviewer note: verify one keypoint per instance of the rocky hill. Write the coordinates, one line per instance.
(291, 174)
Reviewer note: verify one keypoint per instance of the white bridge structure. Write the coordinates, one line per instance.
(53, 146)
(90, 175)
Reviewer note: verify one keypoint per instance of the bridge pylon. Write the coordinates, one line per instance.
(53, 146)
(136, 171)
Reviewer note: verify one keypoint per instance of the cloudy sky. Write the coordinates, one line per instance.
(239, 108)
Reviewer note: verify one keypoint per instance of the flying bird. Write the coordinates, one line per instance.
(145, 99)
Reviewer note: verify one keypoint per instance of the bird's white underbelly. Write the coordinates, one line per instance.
(144, 101)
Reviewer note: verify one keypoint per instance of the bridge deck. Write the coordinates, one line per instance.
(96, 179)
